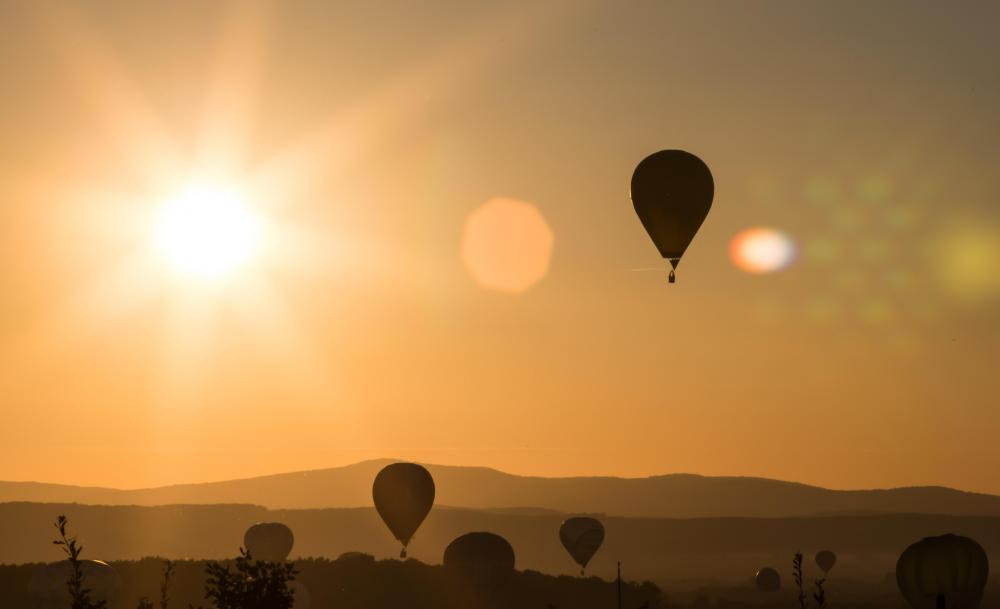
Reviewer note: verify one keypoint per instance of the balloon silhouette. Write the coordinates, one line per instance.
(403, 495)
(479, 564)
(672, 192)
(582, 536)
(767, 580)
(268, 541)
(47, 586)
(946, 572)
(825, 560)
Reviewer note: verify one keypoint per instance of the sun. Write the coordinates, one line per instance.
(207, 231)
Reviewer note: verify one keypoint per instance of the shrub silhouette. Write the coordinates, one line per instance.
(252, 585)
(78, 592)
(168, 571)
(819, 596)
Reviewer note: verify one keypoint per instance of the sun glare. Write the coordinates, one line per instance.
(207, 231)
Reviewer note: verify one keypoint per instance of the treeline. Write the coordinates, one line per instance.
(357, 582)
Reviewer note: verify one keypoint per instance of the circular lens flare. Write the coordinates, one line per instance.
(207, 231)
(762, 250)
(506, 245)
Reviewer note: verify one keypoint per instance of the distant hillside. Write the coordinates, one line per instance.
(663, 550)
(670, 496)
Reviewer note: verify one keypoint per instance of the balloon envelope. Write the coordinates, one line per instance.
(269, 541)
(403, 495)
(479, 564)
(767, 580)
(671, 192)
(582, 536)
(825, 560)
(948, 569)
(48, 583)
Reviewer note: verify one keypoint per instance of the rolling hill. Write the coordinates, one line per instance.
(664, 550)
(668, 496)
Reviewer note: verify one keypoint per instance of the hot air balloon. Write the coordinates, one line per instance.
(403, 495)
(767, 580)
(672, 192)
(48, 583)
(479, 565)
(581, 536)
(269, 541)
(825, 560)
(946, 572)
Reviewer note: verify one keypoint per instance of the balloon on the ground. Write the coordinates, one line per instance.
(582, 536)
(269, 541)
(478, 565)
(48, 584)
(946, 572)
(767, 580)
(672, 192)
(403, 494)
(825, 560)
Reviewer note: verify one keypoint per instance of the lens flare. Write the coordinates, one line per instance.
(762, 250)
(965, 259)
(506, 245)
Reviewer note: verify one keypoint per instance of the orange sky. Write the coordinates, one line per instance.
(370, 139)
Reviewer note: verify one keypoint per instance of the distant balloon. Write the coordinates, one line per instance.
(825, 560)
(403, 495)
(300, 595)
(672, 191)
(582, 536)
(767, 580)
(946, 572)
(47, 586)
(479, 564)
(269, 541)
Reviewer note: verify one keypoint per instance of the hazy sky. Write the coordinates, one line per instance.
(385, 311)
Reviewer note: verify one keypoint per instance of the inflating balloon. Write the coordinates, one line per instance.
(269, 541)
(479, 564)
(403, 495)
(672, 191)
(48, 590)
(582, 536)
(767, 580)
(825, 560)
(946, 572)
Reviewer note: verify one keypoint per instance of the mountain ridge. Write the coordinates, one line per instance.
(665, 495)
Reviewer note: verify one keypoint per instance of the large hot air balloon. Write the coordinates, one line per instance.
(269, 541)
(767, 580)
(825, 560)
(582, 536)
(48, 583)
(403, 495)
(946, 572)
(672, 192)
(479, 565)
